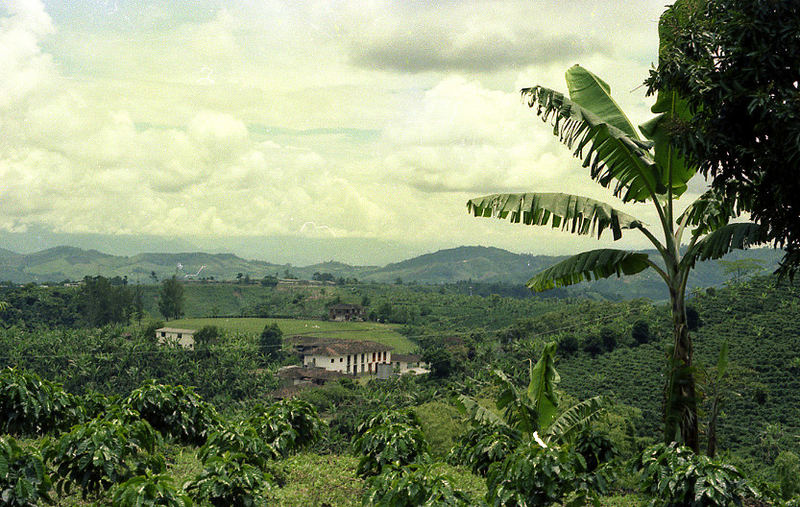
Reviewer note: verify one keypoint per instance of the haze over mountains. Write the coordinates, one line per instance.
(475, 263)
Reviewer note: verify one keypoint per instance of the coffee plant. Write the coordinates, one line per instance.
(673, 474)
(24, 481)
(229, 480)
(174, 411)
(391, 438)
(103, 452)
(411, 486)
(533, 475)
(484, 444)
(288, 425)
(241, 440)
(32, 406)
(149, 490)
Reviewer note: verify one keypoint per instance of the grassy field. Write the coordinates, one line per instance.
(381, 333)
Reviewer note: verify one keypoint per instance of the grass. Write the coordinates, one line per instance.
(381, 333)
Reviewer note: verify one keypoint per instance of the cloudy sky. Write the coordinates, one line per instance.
(366, 123)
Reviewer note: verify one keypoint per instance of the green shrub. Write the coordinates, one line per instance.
(412, 486)
(673, 474)
(483, 445)
(174, 411)
(242, 440)
(147, 490)
(229, 480)
(532, 475)
(640, 332)
(23, 478)
(207, 335)
(32, 406)
(441, 423)
(595, 448)
(288, 425)
(390, 438)
(787, 465)
(568, 345)
(103, 452)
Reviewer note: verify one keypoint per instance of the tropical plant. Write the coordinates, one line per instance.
(390, 438)
(228, 480)
(174, 411)
(103, 452)
(533, 475)
(241, 440)
(643, 168)
(787, 465)
(24, 480)
(411, 486)
(484, 444)
(534, 412)
(30, 405)
(674, 475)
(288, 425)
(149, 490)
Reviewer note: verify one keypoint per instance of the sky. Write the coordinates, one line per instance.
(299, 131)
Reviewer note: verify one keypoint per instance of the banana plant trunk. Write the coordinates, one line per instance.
(680, 409)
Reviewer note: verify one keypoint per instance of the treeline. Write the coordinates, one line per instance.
(98, 301)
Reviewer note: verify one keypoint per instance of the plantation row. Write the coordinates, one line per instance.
(112, 451)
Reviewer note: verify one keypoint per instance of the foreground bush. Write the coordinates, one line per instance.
(229, 480)
(675, 475)
(241, 439)
(149, 489)
(32, 406)
(391, 438)
(288, 425)
(23, 478)
(483, 445)
(174, 411)
(411, 486)
(533, 475)
(103, 452)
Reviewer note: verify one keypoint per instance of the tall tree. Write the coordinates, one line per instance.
(737, 63)
(271, 342)
(104, 303)
(641, 169)
(170, 298)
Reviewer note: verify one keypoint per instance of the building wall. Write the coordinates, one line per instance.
(185, 340)
(340, 363)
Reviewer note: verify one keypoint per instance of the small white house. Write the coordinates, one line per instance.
(182, 337)
(349, 357)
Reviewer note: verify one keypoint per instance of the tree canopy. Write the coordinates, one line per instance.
(737, 65)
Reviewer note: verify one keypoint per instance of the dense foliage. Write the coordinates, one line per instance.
(174, 411)
(24, 480)
(676, 475)
(411, 486)
(30, 405)
(743, 89)
(390, 438)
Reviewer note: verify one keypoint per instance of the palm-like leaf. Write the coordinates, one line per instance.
(594, 94)
(542, 386)
(610, 153)
(591, 265)
(577, 214)
(575, 418)
(708, 213)
(730, 237)
(477, 413)
(516, 407)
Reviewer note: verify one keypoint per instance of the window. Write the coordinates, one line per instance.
(341, 359)
(331, 360)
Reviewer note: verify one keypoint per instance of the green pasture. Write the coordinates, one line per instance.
(381, 333)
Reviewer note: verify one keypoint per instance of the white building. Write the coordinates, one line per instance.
(182, 337)
(349, 357)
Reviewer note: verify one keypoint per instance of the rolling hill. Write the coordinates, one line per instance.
(476, 264)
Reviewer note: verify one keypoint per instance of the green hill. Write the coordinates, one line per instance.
(468, 263)
(759, 322)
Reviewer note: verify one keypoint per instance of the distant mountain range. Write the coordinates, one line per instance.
(474, 263)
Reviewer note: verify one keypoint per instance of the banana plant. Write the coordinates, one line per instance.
(534, 412)
(639, 166)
